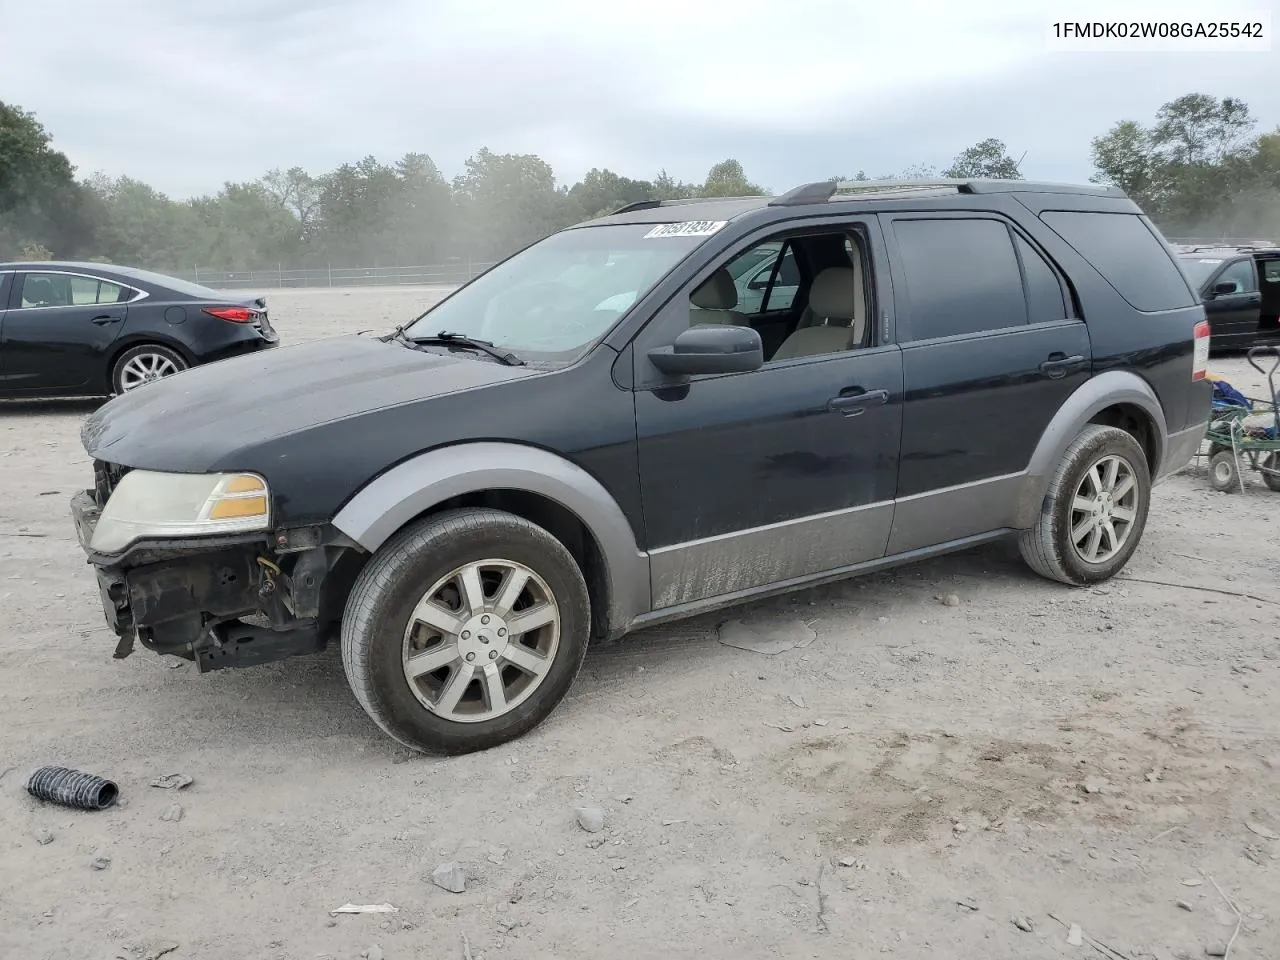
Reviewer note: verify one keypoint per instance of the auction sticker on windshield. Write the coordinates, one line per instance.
(690, 228)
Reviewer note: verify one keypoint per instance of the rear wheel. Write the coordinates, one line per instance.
(144, 364)
(465, 630)
(1271, 462)
(1095, 510)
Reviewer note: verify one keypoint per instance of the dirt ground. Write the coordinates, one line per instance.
(908, 784)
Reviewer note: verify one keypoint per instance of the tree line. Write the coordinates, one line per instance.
(1198, 168)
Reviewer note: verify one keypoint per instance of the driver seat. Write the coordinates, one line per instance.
(714, 300)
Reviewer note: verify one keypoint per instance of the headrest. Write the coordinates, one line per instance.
(717, 292)
(833, 293)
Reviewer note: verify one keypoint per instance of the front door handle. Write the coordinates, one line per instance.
(854, 400)
(103, 320)
(1057, 365)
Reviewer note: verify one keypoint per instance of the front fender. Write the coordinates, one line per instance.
(1094, 395)
(393, 499)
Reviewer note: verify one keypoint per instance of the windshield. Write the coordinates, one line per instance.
(555, 298)
(1199, 269)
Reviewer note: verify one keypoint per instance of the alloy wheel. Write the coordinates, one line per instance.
(1104, 509)
(481, 640)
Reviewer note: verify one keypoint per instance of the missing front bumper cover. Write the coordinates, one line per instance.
(238, 644)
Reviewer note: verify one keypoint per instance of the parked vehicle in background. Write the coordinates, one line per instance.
(90, 329)
(1240, 286)
(593, 436)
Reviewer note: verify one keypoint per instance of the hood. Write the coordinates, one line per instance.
(190, 421)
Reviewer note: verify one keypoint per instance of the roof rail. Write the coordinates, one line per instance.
(827, 190)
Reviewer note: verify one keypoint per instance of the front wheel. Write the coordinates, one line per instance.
(465, 630)
(1224, 472)
(1095, 510)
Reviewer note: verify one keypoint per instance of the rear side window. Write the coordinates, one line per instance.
(1270, 271)
(962, 277)
(1128, 255)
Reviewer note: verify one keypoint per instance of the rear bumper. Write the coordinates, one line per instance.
(1179, 449)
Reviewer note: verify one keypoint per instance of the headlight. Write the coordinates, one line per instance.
(146, 504)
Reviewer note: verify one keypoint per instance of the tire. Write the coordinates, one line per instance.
(143, 364)
(380, 631)
(1049, 548)
(1224, 474)
(1271, 462)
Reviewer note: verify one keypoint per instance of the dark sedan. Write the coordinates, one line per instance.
(90, 330)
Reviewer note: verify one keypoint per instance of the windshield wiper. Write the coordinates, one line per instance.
(462, 340)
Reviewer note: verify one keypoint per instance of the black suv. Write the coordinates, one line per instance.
(1240, 286)
(591, 437)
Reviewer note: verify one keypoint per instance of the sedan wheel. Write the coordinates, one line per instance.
(145, 364)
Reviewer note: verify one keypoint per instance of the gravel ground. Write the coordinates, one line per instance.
(922, 775)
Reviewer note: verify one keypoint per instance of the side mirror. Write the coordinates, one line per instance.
(1223, 287)
(758, 284)
(710, 348)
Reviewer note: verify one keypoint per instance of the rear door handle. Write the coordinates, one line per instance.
(103, 320)
(1057, 365)
(854, 400)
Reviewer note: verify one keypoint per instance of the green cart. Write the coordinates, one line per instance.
(1238, 435)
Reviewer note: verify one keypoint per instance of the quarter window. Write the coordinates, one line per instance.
(1122, 248)
(962, 277)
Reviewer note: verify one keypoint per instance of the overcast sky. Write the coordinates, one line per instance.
(187, 95)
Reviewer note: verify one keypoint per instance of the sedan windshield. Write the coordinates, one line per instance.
(554, 299)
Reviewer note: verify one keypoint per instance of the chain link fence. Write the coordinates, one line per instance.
(449, 274)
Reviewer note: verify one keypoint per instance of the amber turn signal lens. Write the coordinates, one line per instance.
(243, 484)
(239, 508)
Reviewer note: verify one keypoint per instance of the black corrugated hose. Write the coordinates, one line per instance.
(71, 788)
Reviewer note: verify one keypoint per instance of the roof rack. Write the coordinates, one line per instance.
(637, 205)
(826, 190)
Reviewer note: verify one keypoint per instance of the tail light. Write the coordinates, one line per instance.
(233, 314)
(1200, 356)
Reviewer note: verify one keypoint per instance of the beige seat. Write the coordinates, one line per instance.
(835, 319)
(714, 299)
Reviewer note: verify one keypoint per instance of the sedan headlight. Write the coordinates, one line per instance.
(146, 504)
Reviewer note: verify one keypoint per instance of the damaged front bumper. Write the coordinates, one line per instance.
(220, 601)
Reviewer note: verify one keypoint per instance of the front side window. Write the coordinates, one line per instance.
(1199, 269)
(1243, 274)
(962, 277)
(554, 299)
